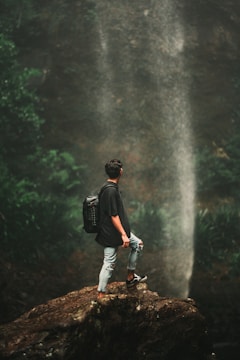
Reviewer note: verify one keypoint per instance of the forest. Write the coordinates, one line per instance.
(66, 106)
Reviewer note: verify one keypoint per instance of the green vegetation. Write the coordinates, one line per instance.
(217, 229)
(20, 127)
(217, 236)
(40, 208)
(154, 218)
(219, 174)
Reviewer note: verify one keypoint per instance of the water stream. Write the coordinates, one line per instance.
(173, 86)
(157, 29)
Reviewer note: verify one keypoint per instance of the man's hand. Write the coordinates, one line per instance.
(125, 241)
(118, 225)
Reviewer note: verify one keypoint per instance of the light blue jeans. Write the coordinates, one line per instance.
(110, 258)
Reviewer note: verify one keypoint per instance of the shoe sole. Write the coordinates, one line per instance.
(137, 282)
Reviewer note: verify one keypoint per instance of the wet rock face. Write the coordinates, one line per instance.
(136, 324)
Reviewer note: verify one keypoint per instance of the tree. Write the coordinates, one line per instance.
(39, 209)
(20, 126)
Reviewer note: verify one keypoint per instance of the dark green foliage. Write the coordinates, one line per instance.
(150, 223)
(217, 234)
(39, 203)
(41, 217)
(19, 123)
(154, 224)
(235, 264)
(17, 20)
(219, 175)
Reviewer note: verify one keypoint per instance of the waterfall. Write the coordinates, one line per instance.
(158, 30)
(173, 87)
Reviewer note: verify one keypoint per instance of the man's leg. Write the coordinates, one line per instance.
(109, 262)
(136, 246)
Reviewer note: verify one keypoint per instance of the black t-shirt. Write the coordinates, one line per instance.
(111, 205)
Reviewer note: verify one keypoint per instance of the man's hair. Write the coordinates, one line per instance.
(113, 168)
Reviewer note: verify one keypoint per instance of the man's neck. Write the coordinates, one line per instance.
(113, 180)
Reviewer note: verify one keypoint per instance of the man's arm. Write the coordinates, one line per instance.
(118, 225)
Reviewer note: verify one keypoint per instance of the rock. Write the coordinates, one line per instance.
(125, 324)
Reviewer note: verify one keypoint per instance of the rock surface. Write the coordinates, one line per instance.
(125, 324)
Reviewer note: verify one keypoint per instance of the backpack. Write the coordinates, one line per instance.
(91, 215)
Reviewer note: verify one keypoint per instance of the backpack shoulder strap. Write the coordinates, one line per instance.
(104, 188)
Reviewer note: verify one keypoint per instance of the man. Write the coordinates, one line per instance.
(115, 230)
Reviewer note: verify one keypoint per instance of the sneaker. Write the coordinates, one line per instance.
(135, 280)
